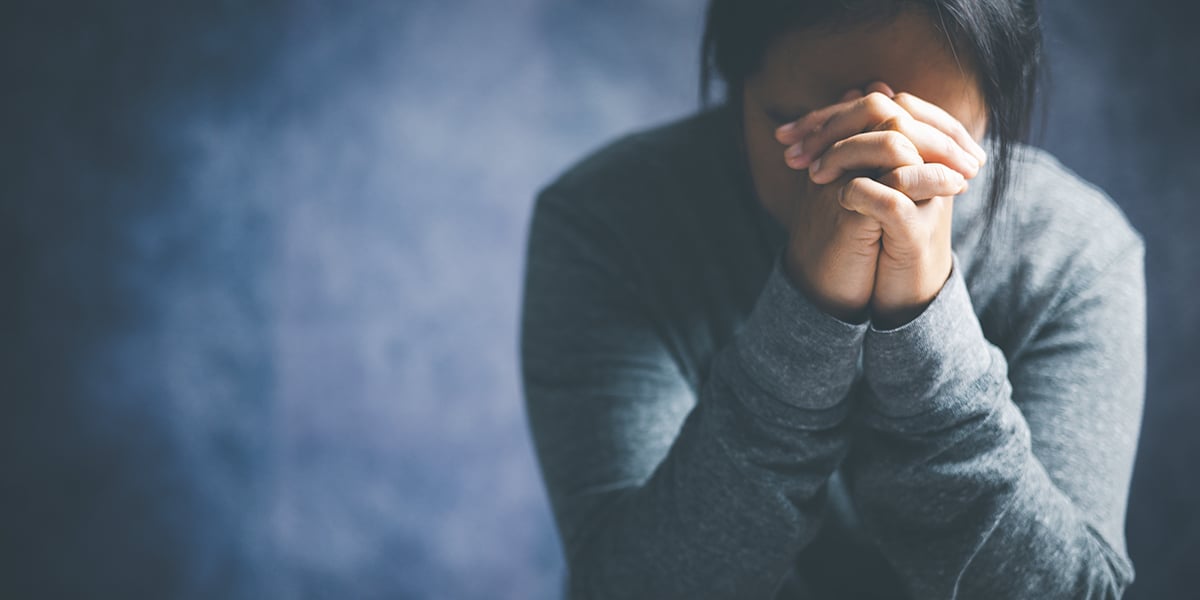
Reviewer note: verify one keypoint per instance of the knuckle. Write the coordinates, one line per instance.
(890, 206)
(877, 103)
(854, 189)
(888, 211)
(898, 146)
(894, 179)
(909, 181)
(893, 123)
(940, 176)
(854, 186)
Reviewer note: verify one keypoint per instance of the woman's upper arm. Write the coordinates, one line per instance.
(656, 484)
(604, 397)
(1080, 384)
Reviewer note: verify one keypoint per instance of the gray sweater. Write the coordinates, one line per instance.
(704, 431)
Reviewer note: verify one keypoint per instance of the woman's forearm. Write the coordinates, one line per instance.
(740, 490)
(961, 495)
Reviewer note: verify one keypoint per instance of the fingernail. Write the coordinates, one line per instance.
(971, 160)
(815, 166)
(978, 152)
(794, 151)
(785, 129)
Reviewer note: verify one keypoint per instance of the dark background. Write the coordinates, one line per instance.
(260, 269)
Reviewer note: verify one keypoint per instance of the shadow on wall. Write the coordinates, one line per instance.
(261, 280)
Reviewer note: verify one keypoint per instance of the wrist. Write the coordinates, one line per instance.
(892, 313)
(848, 310)
(887, 319)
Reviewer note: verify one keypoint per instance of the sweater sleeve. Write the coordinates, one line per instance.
(984, 479)
(659, 490)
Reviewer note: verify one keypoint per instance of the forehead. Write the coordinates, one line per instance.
(810, 68)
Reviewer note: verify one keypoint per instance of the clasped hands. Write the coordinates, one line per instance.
(872, 238)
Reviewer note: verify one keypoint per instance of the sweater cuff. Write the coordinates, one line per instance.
(800, 360)
(932, 366)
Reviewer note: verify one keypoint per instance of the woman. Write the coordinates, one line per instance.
(782, 349)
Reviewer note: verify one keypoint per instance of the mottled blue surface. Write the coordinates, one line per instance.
(261, 266)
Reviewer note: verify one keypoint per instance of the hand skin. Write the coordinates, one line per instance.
(883, 169)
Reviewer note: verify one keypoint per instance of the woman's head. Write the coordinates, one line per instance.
(779, 58)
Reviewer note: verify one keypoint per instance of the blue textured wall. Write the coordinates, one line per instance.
(261, 267)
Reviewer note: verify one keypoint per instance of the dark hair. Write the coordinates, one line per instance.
(1001, 39)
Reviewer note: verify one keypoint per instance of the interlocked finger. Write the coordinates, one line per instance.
(934, 146)
(827, 126)
(875, 150)
(896, 213)
(933, 114)
(922, 182)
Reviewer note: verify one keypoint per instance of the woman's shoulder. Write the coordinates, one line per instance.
(639, 165)
(1052, 198)
(1059, 235)
(1063, 221)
